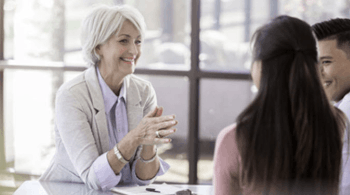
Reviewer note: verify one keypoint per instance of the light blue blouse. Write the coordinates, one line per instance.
(116, 114)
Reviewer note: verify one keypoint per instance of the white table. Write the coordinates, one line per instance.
(58, 188)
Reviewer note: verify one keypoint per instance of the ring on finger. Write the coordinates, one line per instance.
(157, 134)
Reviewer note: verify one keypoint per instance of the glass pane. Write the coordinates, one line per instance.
(9, 10)
(29, 115)
(227, 26)
(167, 43)
(172, 94)
(260, 12)
(29, 118)
(221, 101)
(316, 10)
(223, 37)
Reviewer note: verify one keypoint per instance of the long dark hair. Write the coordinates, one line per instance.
(290, 133)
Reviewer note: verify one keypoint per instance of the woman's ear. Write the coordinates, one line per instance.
(97, 50)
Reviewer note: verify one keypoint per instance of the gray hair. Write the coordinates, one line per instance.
(103, 22)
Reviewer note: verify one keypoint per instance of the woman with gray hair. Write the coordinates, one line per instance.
(107, 119)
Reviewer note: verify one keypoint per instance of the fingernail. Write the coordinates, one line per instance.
(173, 122)
(168, 140)
(171, 117)
(173, 130)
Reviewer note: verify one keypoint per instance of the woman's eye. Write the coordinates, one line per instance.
(138, 42)
(326, 62)
(123, 41)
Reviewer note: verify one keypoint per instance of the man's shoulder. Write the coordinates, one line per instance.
(344, 105)
(345, 102)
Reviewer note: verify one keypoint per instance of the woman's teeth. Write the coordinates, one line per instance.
(127, 60)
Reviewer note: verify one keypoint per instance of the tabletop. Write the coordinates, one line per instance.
(61, 188)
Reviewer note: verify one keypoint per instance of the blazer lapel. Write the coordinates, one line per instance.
(133, 103)
(98, 104)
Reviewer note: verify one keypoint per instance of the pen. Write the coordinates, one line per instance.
(152, 190)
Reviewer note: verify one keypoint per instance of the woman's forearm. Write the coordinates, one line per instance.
(127, 147)
(151, 130)
(146, 171)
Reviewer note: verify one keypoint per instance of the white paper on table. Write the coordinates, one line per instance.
(141, 190)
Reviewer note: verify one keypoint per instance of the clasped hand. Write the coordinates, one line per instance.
(154, 122)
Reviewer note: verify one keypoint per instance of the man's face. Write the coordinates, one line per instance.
(335, 69)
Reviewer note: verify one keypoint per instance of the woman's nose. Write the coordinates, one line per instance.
(133, 49)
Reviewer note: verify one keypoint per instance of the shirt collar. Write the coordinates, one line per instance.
(346, 97)
(109, 97)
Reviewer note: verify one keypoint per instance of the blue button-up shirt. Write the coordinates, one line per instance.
(115, 108)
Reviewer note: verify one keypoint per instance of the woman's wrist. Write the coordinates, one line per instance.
(148, 152)
(149, 160)
(119, 155)
(132, 139)
(135, 138)
(127, 146)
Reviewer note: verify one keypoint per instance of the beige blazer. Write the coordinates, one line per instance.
(81, 131)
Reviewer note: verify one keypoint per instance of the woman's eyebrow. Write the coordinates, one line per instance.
(128, 35)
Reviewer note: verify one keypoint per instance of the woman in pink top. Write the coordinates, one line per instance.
(289, 139)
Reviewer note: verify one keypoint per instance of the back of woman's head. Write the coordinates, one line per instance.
(282, 35)
(289, 133)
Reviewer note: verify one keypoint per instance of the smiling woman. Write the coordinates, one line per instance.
(114, 66)
(107, 119)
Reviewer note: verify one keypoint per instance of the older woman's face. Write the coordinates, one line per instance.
(121, 52)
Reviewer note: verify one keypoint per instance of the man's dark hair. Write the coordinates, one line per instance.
(338, 29)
